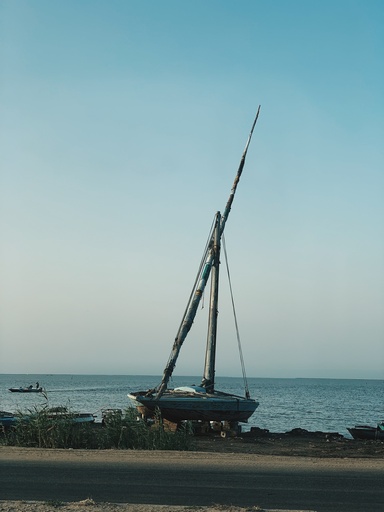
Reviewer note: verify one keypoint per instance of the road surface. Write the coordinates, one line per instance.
(192, 478)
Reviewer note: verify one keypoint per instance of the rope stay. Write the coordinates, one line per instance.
(246, 388)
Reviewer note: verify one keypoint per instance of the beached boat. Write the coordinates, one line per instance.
(61, 413)
(203, 402)
(367, 432)
(9, 419)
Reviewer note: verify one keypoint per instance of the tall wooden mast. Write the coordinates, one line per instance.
(208, 381)
(191, 310)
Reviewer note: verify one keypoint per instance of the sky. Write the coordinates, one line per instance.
(122, 125)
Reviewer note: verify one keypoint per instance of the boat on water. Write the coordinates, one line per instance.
(368, 432)
(26, 390)
(203, 402)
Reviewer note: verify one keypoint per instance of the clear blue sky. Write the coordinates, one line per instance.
(122, 126)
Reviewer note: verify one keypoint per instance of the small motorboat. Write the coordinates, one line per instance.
(29, 389)
(368, 432)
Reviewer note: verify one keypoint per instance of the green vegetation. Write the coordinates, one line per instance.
(122, 430)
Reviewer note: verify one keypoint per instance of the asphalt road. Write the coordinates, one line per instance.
(323, 485)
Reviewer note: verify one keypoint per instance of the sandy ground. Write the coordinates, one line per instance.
(91, 506)
(274, 446)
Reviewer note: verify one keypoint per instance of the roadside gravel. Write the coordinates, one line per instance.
(91, 506)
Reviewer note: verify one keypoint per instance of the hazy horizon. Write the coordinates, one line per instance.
(193, 376)
(185, 376)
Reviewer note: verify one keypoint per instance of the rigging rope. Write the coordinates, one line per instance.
(247, 394)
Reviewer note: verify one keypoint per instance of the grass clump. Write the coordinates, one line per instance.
(126, 431)
(47, 428)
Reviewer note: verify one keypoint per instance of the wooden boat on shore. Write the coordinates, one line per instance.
(368, 432)
(9, 419)
(203, 402)
(62, 413)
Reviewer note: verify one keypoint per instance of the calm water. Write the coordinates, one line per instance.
(313, 404)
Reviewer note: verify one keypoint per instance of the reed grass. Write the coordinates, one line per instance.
(120, 430)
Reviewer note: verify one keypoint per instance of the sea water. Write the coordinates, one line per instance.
(328, 405)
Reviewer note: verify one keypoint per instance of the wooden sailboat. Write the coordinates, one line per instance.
(204, 402)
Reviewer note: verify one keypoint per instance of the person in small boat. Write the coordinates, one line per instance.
(37, 385)
(30, 387)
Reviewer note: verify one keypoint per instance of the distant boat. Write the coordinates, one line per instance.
(29, 389)
(368, 432)
(203, 402)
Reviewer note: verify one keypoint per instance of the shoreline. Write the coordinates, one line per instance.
(296, 443)
(90, 506)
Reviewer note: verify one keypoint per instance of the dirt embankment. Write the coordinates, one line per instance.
(90, 506)
(297, 443)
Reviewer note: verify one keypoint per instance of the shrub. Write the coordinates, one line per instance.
(57, 428)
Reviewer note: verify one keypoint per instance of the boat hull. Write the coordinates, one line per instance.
(367, 432)
(175, 407)
(10, 420)
(26, 390)
(7, 419)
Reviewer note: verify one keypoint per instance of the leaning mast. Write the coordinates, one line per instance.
(195, 300)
